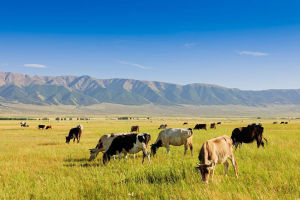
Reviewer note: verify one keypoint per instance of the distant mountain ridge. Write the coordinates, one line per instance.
(85, 90)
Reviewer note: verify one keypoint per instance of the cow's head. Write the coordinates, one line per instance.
(93, 154)
(204, 169)
(68, 139)
(155, 146)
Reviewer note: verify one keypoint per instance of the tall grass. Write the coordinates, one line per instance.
(37, 164)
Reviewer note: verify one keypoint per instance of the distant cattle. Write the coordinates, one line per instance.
(274, 122)
(185, 123)
(282, 122)
(163, 126)
(213, 126)
(49, 127)
(41, 126)
(103, 144)
(200, 126)
(175, 137)
(24, 124)
(216, 151)
(135, 129)
(130, 143)
(285, 122)
(74, 133)
(219, 123)
(248, 135)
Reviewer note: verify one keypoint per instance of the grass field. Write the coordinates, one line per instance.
(38, 164)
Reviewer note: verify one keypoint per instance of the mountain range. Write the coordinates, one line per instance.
(86, 90)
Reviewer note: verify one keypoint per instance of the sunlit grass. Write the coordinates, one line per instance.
(37, 164)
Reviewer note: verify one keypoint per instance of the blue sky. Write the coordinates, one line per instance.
(238, 44)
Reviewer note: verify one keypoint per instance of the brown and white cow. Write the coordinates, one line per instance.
(216, 151)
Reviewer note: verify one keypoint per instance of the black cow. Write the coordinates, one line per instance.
(41, 126)
(219, 123)
(200, 126)
(248, 135)
(75, 133)
(130, 143)
(185, 123)
(213, 126)
(282, 122)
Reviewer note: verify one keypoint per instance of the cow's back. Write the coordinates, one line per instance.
(175, 136)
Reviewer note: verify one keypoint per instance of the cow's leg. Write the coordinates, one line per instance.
(234, 164)
(185, 148)
(259, 141)
(191, 148)
(226, 164)
(145, 154)
(119, 153)
(168, 149)
(74, 139)
(212, 172)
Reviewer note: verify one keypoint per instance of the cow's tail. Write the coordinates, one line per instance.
(266, 140)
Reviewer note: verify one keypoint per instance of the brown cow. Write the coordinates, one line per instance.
(135, 129)
(216, 151)
(49, 127)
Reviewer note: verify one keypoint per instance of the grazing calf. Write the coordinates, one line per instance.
(216, 151)
(49, 127)
(75, 133)
(41, 126)
(163, 126)
(175, 137)
(248, 135)
(135, 129)
(213, 126)
(200, 126)
(103, 144)
(130, 143)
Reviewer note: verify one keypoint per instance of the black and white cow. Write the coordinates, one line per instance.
(130, 143)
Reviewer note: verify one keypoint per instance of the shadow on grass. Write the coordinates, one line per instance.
(80, 162)
(76, 160)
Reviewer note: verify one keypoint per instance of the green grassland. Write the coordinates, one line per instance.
(38, 164)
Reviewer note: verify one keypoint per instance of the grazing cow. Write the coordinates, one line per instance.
(285, 122)
(200, 126)
(282, 122)
(103, 144)
(24, 124)
(135, 129)
(49, 127)
(41, 126)
(163, 126)
(185, 123)
(274, 122)
(130, 143)
(213, 126)
(248, 135)
(219, 123)
(75, 133)
(175, 137)
(216, 151)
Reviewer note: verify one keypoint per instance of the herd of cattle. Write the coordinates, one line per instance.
(214, 151)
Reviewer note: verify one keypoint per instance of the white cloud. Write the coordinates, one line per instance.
(253, 53)
(189, 45)
(35, 65)
(133, 64)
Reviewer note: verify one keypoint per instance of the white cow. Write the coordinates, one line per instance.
(216, 151)
(175, 137)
